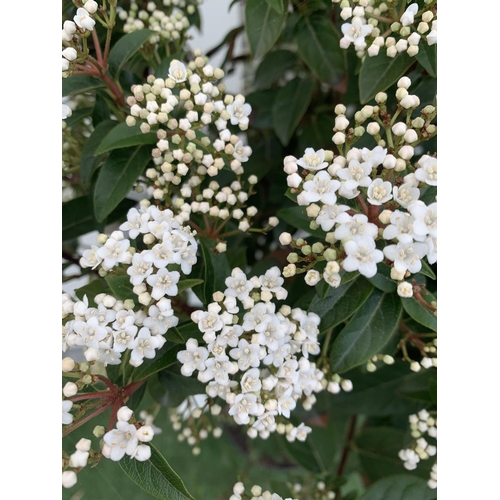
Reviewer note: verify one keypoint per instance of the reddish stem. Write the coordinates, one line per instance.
(97, 45)
(92, 395)
(85, 419)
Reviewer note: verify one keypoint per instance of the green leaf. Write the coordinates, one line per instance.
(291, 103)
(379, 73)
(433, 390)
(125, 48)
(382, 280)
(165, 358)
(427, 271)
(79, 84)
(297, 217)
(273, 67)
(400, 487)
(216, 269)
(178, 386)
(89, 162)
(318, 46)
(77, 218)
(419, 312)
(117, 177)
(278, 5)
(263, 26)
(121, 288)
(123, 136)
(340, 303)
(367, 332)
(187, 284)
(91, 290)
(156, 477)
(427, 57)
(164, 67)
(77, 115)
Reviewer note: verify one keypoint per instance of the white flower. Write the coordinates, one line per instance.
(139, 269)
(401, 227)
(299, 433)
(405, 194)
(355, 227)
(177, 71)
(356, 174)
(329, 215)
(379, 192)
(144, 346)
(83, 19)
(66, 111)
(428, 170)
(406, 256)
(241, 152)
(121, 440)
(375, 156)
(239, 111)
(67, 418)
(356, 31)
(362, 256)
(238, 285)
(321, 188)
(313, 160)
(312, 277)
(193, 358)
(405, 289)
(408, 16)
(164, 282)
(113, 252)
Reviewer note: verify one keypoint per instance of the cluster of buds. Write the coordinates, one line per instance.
(372, 21)
(382, 183)
(429, 356)
(169, 20)
(315, 490)
(196, 422)
(421, 424)
(257, 364)
(386, 359)
(75, 33)
(188, 162)
(256, 493)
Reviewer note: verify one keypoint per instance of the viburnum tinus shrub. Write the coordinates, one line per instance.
(258, 318)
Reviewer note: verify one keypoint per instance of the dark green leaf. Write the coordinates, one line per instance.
(187, 284)
(318, 46)
(216, 269)
(382, 280)
(379, 73)
(165, 358)
(77, 116)
(367, 332)
(121, 287)
(263, 26)
(77, 218)
(156, 477)
(80, 83)
(125, 48)
(278, 5)
(101, 111)
(178, 385)
(428, 194)
(91, 290)
(340, 303)
(316, 133)
(419, 312)
(89, 162)
(117, 177)
(427, 57)
(136, 398)
(400, 487)
(427, 271)
(273, 67)
(297, 217)
(289, 107)
(433, 390)
(123, 136)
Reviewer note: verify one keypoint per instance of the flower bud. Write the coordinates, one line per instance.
(124, 414)
(70, 389)
(405, 289)
(373, 128)
(285, 238)
(69, 478)
(68, 364)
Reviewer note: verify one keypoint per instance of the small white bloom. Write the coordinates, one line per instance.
(313, 160)
(408, 16)
(83, 19)
(356, 32)
(177, 71)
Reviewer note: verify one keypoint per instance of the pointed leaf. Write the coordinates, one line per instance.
(123, 136)
(340, 303)
(367, 332)
(379, 73)
(263, 26)
(278, 5)
(121, 288)
(79, 84)
(400, 487)
(125, 48)
(291, 103)
(165, 358)
(272, 68)
(156, 477)
(427, 57)
(117, 177)
(318, 46)
(216, 269)
(297, 217)
(187, 284)
(419, 312)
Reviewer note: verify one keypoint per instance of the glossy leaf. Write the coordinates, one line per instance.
(123, 136)
(90, 160)
(278, 5)
(216, 269)
(121, 288)
(419, 312)
(94, 288)
(427, 271)
(318, 46)
(291, 103)
(78, 84)
(77, 218)
(382, 280)
(297, 217)
(273, 67)
(125, 48)
(178, 385)
(400, 487)
(117, 177)
(340, 303)
(263, 26)
(165, 358)
(187, 284)
(427, 57)
(156, 477)
(379, 73)
(367, 332)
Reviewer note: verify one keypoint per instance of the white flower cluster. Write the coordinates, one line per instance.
(373, 20)
(168, 20)
(77, 460)
(420, 424)
(186, 159)
(114, 327)
(256, 492)
(73, 30)
(127, 438)
(392, 210)
(259, 367)
(429, 358)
